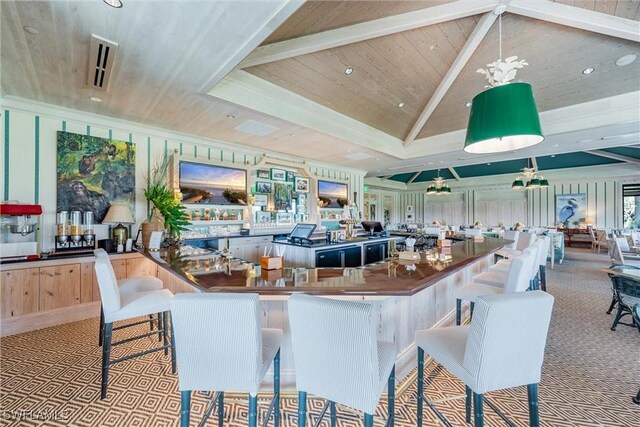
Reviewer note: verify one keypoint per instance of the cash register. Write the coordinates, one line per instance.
(301, 233)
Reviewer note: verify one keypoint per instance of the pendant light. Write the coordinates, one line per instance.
(529, 180)
(503, 117)
(438, 186)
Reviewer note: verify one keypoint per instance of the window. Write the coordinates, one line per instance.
(631, 206)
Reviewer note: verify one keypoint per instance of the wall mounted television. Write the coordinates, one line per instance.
(212, 184)
(333, 194)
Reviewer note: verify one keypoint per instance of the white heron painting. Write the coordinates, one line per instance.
(571, 207)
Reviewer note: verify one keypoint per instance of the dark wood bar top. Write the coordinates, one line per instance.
(212, 272)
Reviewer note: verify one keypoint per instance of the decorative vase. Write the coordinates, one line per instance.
(149, 226)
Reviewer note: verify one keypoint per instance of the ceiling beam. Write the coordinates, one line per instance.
(577, 17)
(463, 56)
(386, 176)
(455, 174)
(366, 31)
(534, 163)
(614, 156)
(413, 178)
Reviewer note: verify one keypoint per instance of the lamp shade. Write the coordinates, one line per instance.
(589, 221)
(534, 183)
(503, 118)
(431, 190)
(518, 184)
(118, 214)
(544, 182)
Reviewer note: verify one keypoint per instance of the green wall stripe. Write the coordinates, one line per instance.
(209, 153)
(88, 130)
(110, 134)
(605, 204)
(181, 148)
(166, 146)
(245, 159)
(221, 156)
(596, 213)
(148, 169)
(233, 157)
(64, 126)
(195, 151)
(36, 195)
(6, 154)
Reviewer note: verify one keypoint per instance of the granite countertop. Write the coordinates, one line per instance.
(322, 244)
(211, 272)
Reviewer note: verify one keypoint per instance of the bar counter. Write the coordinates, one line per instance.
(211, 272)
(407, 296)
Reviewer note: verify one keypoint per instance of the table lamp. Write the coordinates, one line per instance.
(119, 214)
(589, 222)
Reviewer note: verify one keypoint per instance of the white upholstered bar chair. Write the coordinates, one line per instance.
(502, 348)
(128, 286)
(618, 257)
(518, 280)
(511, 235)
(543, 247)
(117, 307)
(498, 273)
(525, 239)
(221, 346)
(337, 356)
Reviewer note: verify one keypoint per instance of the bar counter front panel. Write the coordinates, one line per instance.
(409, 296)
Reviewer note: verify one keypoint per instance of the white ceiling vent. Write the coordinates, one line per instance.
(357, 156)
(253, 127)
(102, 55)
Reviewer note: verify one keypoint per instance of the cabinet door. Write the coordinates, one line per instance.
(141, 267)
(120, 268)
(59, 286)
(19, 292)
(331, 258)
(87, 273)
(373, 253)
(352, 257)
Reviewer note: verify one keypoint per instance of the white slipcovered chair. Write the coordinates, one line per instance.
(502, 348)
(524, 241)
(498, 273)
(221, 346)
(618, 257)
(337, 356)
(473, 232)
(128, 286)
(543, 247)
(511, 235)
(117, 307)
(518, 280)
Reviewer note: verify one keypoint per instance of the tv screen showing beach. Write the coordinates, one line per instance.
(332, 194)
(213, 185)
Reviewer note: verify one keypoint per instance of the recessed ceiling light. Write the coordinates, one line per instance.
(230, 116)
(114, 3)
(488, 164)
(95, 99)
(348, 71)
(626, 60)
(588, 70)
(584, 140)
(430, 163)
(30, 30)
(431, 47)
(400, 105)
(553, 155)
(468, 104)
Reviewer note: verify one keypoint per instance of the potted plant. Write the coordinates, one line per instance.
(166, 213)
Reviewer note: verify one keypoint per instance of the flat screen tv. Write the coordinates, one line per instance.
(333, 194)
(212, 185)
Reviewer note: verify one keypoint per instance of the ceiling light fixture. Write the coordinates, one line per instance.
(348, 71)
(468, 104)
(400, 105)
(31, 30)
(626, 60)
(95, 99)
(530, 180)
(503, 117)
(230, 116)
(588, 71)
(438, 186)
(114, 3)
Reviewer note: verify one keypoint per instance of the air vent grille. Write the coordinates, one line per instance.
(102, 55)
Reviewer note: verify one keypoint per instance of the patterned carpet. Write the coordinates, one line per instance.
(589, 376)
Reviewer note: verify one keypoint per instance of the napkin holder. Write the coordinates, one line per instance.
(271, 275)
(271, 262)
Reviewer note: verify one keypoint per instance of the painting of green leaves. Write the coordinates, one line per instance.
(92, 172)
(282, 196)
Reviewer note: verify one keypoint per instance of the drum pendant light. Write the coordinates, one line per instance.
(503, 117)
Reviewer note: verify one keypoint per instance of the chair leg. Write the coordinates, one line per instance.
(332, 410)
(253, 410)
(420, 385)
(164, 333)
(276, 390)
(467, 406)
(391, 397)
(220, 409)
(173, 349)
(636, 399)
(543, 277)
(534, 417)
(151, 322)
(106, 355)
(159, 327)
(185, 408)
(368, 420)
(471, 305)
(617, 318)
(613, 304)
(478, 413)
(458, 311)
(101, 333)
(302, 408)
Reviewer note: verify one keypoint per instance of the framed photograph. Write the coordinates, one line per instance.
(212, 184)
(263, 217)
(290, 176)
(409, 209)
(263, 174)
(264, 187)
(300, 276)
(571, 207)
(261, 199)
(301, 185)
(284, 218)
(332, 194)
(278, 174)
(282, 196)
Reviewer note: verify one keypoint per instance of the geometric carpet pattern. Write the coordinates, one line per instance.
(52, 376)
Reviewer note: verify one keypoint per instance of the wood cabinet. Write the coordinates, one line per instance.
(19, 292)
(249, 248)
(141, 267)
(59, 286)
(119, 268)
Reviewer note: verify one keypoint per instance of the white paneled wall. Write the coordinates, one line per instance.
(28, 156)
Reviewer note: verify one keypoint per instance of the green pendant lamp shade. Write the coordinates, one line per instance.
(503, 118)
(518, 184)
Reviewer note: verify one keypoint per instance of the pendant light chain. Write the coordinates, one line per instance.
(500, 35)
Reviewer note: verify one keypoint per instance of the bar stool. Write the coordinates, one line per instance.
(338, 358)
(499, 272)
(511, 235)
(125, 307)
(542, 245)
(221, 346)
(518, 280)
(524, 241)
(502, 348)
(128, 286)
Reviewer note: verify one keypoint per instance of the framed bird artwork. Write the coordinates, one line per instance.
(571, 207)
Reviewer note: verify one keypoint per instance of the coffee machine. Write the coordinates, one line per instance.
(20, 233)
